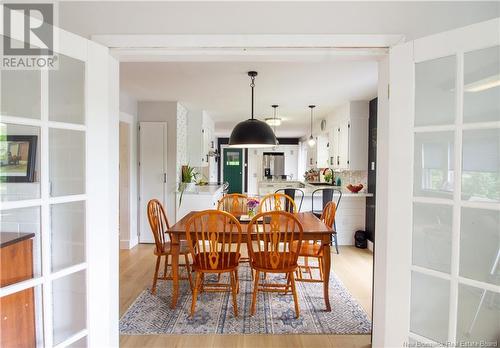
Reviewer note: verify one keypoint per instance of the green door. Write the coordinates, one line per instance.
(233, 169)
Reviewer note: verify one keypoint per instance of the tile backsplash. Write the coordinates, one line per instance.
(353, 177)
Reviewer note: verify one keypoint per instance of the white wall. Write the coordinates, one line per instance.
(412, 19)
(164, 111)
(129, 239)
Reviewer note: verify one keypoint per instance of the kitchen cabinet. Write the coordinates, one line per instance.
(317, 155)
(348, 138)
(17, 310)
(200, 134)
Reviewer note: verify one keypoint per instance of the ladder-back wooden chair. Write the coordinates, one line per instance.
(233, 203)
(163, 247)
(214, 239)
(277, 202)
(274, 239)
(315, 249)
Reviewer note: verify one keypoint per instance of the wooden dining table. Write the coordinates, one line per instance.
(314, 230)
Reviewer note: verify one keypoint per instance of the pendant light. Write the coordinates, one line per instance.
(252, 132)
(311, 140)
(274, 121)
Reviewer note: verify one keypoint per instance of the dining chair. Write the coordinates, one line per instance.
(274, 239)
(292, 192)
(328, 195)
(315, 249)
(163, 247)
(277, 202)
(214, 239)
(236, 205)
(233, 203)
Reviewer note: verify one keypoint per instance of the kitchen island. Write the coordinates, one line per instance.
(197, 197)
(350, 215)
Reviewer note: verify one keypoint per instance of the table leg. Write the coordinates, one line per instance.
(175, 248)
(326, 275)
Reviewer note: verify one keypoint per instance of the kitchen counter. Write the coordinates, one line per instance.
(198, 198)
(9, 238)
(270, 186)
(351, 212)
(210, 189)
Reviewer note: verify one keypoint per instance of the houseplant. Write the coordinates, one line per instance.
(188, 177)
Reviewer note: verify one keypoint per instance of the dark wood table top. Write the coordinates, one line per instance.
(310, 223)
(9, 238)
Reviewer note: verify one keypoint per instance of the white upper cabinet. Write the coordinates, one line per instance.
(200, 134)
(322, 151)
(348, 137)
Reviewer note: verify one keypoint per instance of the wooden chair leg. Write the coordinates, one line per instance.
(288, 282)
(232, 275)
(195, 292)
(155, 277)
(237, 278)
(320, 264)
(188, 269)
(255, 290)
(294, 292)
(165, 271)
(202, 282)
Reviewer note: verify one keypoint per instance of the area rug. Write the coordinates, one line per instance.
(151, 314)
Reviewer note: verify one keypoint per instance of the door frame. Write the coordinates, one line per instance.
(164, 48)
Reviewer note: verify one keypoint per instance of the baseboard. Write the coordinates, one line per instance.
(370, 246)
(128, 244)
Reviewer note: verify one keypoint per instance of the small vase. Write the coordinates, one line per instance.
(251, 212)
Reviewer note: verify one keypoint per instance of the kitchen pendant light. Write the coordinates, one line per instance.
(252, 132)
(311, 140)
(274, 121)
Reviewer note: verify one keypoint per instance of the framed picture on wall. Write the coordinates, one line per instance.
(17, 158)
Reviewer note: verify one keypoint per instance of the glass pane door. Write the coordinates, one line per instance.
(43, 226)
(455, 272)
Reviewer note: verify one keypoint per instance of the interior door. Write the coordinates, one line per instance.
(152, 171)
(233, 169)
(444, 173)
(67, 208)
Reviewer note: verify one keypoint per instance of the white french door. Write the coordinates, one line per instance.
(70, 203)
(443, 228)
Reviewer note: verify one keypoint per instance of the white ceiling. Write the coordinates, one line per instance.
(222, 89)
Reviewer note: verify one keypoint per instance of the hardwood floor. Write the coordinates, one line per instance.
(353, 266)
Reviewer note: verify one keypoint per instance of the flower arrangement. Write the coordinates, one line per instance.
(252, 203)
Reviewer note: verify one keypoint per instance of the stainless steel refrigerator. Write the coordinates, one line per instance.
(273, 164)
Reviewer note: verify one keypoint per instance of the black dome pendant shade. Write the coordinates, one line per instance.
(252, 132)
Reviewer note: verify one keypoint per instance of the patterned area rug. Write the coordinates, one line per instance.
(151, 314)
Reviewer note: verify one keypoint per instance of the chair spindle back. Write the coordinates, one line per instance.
(159, 225)
(234, 203)
(275, 240)
(213, 237)
(277, 202)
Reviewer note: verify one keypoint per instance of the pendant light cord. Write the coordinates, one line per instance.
(311, 121)
(312, 107)
(252, 85)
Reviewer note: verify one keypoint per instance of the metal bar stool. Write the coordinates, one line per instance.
(291, 193)
(328, 195)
